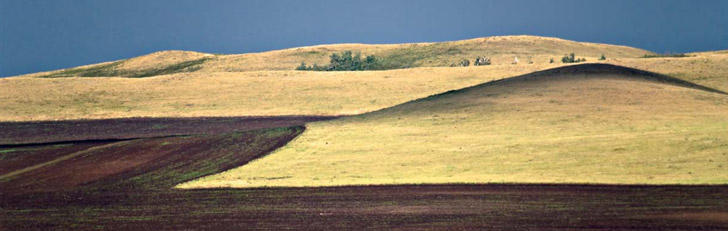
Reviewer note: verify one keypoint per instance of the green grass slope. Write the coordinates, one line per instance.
(591, 123)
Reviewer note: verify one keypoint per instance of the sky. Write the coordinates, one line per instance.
(37, 35)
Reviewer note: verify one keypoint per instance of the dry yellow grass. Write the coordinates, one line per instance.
(159, 59)
(219, 90)
(562, 128)
(234, 94)
(706, 68)
(501, 50)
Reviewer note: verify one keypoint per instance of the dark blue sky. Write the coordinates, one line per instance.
(40, 35)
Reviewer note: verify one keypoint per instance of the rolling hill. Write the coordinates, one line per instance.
(591, 123)
(191, 84)
(501, 49)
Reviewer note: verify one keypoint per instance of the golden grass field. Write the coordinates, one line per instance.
(553, 128)
(215, 90)
(234, 94)
(501, 50)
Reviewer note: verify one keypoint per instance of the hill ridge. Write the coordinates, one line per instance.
(590, 68)
(501, 50)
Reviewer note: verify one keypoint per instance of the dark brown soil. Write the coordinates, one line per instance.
(148, 162)
(19, 157)
(433, 207)
(78, 130)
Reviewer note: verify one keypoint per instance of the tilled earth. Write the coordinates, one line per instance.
(425, 207)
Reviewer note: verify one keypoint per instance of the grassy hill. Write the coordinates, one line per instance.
(234, 93)
(158, 63)
(576, 124)
(501, 49)
(197, 84)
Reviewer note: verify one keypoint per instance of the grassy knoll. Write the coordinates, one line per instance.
(114, 69)
(501, 49)
(577, 125)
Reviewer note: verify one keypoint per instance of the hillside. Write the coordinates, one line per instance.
(253, 93)
(501, 49)
(217, 88)
(157, 63)
(588, 123)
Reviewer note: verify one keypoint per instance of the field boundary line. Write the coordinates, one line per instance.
(59, 159)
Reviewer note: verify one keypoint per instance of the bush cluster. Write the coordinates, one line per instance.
(570, 58)
(346, 61)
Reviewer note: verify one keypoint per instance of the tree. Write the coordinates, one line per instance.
(302, 67)
(334, 60)
(356, 63)
(346, 61)
(602, 58)
(370, 63)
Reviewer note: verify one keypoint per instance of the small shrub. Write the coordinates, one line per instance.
(464, 63)
(602, 58)
(482, 61)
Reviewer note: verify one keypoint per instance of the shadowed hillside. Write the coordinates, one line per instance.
(576, 124)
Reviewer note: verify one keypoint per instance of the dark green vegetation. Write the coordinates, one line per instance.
(345, 62)
(570, 58)
(667, 55)
(405, 57)
(110, 69)
(431, 207)
(348, 62)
